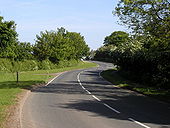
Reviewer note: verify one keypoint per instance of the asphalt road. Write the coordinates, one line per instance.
(83, 99)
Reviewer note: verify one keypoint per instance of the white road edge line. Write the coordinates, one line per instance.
(53, 79)
(137, 122)
(24, 100)
(78, 79)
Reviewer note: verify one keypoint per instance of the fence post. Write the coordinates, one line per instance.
(17, 77)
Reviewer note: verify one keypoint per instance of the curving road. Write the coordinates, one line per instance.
(83, 99)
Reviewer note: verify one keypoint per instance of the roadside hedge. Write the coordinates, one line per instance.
(7, 65)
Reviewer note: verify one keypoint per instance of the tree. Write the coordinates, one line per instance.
(44, 45)
(146, 54)
(80, 47)
(147, 17)
(116, 38)
(60, 45)
(24, 51)
(104, 53)
(8, 38)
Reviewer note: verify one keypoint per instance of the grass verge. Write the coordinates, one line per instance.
(9, 88)
(116, 79)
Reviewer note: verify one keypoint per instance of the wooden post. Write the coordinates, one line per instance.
(17, 77)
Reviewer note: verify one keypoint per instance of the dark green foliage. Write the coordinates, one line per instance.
(150, 21)
(146, 55)
(8, 39)
(150, 66)
(116, 38)
(24, 51)
(147, 17)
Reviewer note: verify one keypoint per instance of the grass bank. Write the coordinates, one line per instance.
(116, 79)
(9, 88)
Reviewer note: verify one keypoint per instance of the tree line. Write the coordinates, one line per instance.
(51, 47)
(145, 52)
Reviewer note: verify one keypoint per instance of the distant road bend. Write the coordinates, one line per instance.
(83, 99)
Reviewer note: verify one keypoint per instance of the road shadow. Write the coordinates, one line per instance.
(98, 109)
(129, 103)
(61, 88)
(94, 107)
(21, 84)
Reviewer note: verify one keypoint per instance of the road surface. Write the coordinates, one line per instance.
(83, 99)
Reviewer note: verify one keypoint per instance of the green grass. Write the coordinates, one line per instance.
(115, 78)
(9, 88)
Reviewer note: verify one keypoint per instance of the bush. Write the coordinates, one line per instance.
(148, 67)
(13, 66)
(45, 65)
(5, 65)
(66, 63)
(29, 65)
(152, 68)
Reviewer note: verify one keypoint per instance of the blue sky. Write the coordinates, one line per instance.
(92, 18)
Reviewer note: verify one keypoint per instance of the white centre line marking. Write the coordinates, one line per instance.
(83, 88)
(111, 108)
(137, 122)
(78, 78)
(116, 111)
(88, 91)
(96, 98)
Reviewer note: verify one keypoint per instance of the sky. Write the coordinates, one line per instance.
(92, 18)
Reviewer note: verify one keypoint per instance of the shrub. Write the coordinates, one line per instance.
(29, 65)
(45, 65)
(5, 65)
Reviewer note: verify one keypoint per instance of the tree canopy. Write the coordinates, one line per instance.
(146, 53)
(116, 38)
(60, 45)
(8, 38)
(24, 51)
(149, 18)
(145, 16)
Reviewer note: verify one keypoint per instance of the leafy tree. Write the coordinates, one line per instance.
(60, 45)
(116, 38)
(8, 38)
(150, 21)
(146, 54)
(104, 53)
(80, 47)
(42, 48)
(147, 17)
(24, 51)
